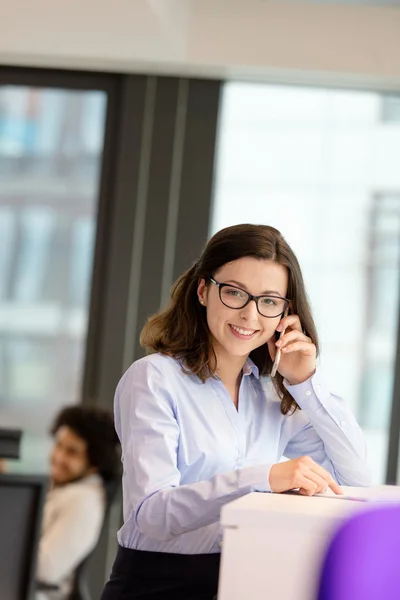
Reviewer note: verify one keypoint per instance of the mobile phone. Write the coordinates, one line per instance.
(278, 351)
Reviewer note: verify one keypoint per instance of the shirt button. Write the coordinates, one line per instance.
(239, 462)
(221, 544)
(319, 387)
(343, 423)
(308, 393)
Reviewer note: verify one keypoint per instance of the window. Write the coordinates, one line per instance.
(321, 166)
(51, 143)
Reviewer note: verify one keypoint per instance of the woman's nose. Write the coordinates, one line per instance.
(250, 312)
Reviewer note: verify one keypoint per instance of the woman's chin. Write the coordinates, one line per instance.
(238, 350)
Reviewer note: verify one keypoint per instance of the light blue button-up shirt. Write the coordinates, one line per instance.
(187, 451)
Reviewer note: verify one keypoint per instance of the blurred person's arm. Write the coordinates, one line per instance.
(71, 536)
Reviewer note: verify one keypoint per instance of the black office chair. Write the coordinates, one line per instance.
(80, 590)
(21, 508)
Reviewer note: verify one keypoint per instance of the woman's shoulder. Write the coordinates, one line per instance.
(159, 361)
(153, 365)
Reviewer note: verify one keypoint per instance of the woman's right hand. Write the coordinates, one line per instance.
(304, 474)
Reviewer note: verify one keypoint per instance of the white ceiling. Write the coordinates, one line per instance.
(314, 42)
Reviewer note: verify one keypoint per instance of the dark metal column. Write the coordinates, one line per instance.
(157, 220)
(394, 428)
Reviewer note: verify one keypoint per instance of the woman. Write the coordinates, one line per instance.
(201, 422)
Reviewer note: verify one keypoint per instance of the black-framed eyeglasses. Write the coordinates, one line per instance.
(234, 297)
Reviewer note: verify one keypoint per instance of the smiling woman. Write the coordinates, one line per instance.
(201, 422)
(253, 258)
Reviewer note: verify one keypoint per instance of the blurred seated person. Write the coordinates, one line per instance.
(84, 463)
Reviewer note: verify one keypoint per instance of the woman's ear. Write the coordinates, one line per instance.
(202, 291)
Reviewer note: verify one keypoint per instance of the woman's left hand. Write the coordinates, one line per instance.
(298, 353)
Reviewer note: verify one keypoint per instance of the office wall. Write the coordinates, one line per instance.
(256, 39)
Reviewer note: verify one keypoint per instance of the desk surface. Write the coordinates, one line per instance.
(374, 493)
(258, 509)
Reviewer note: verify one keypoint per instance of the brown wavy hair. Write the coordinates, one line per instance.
(181, 330)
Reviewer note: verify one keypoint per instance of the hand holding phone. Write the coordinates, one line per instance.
(278, 352)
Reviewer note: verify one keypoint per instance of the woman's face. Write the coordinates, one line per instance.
(256, 276)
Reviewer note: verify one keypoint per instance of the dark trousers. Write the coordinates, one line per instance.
(138, 575)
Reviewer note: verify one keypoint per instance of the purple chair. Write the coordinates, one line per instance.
(363, 559)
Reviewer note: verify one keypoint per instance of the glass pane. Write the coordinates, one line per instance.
(317, 165)
(51, 144)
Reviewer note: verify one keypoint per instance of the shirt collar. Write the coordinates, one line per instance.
(251, 368)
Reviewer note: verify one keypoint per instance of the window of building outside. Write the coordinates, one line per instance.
(51, 143)
(322, 166)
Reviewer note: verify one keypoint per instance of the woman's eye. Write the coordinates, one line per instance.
(269, 301)
(236, 293)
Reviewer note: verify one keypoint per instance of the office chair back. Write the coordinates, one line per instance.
(21, 508)
(363, 559)
(81, 588)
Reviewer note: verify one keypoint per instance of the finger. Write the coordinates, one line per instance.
(291, 336)
(309, 479)
(327, 477)
(307, 486)
(335, 487)
(305, 347)
(292, 321)
(306, 492)
(323, 473)
(322, 485)
(321, 482)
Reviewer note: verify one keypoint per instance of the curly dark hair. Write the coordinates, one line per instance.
(95, 425)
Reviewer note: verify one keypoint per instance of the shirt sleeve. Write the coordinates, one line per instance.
(331, 435)
(145, 416)
(71, 536)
